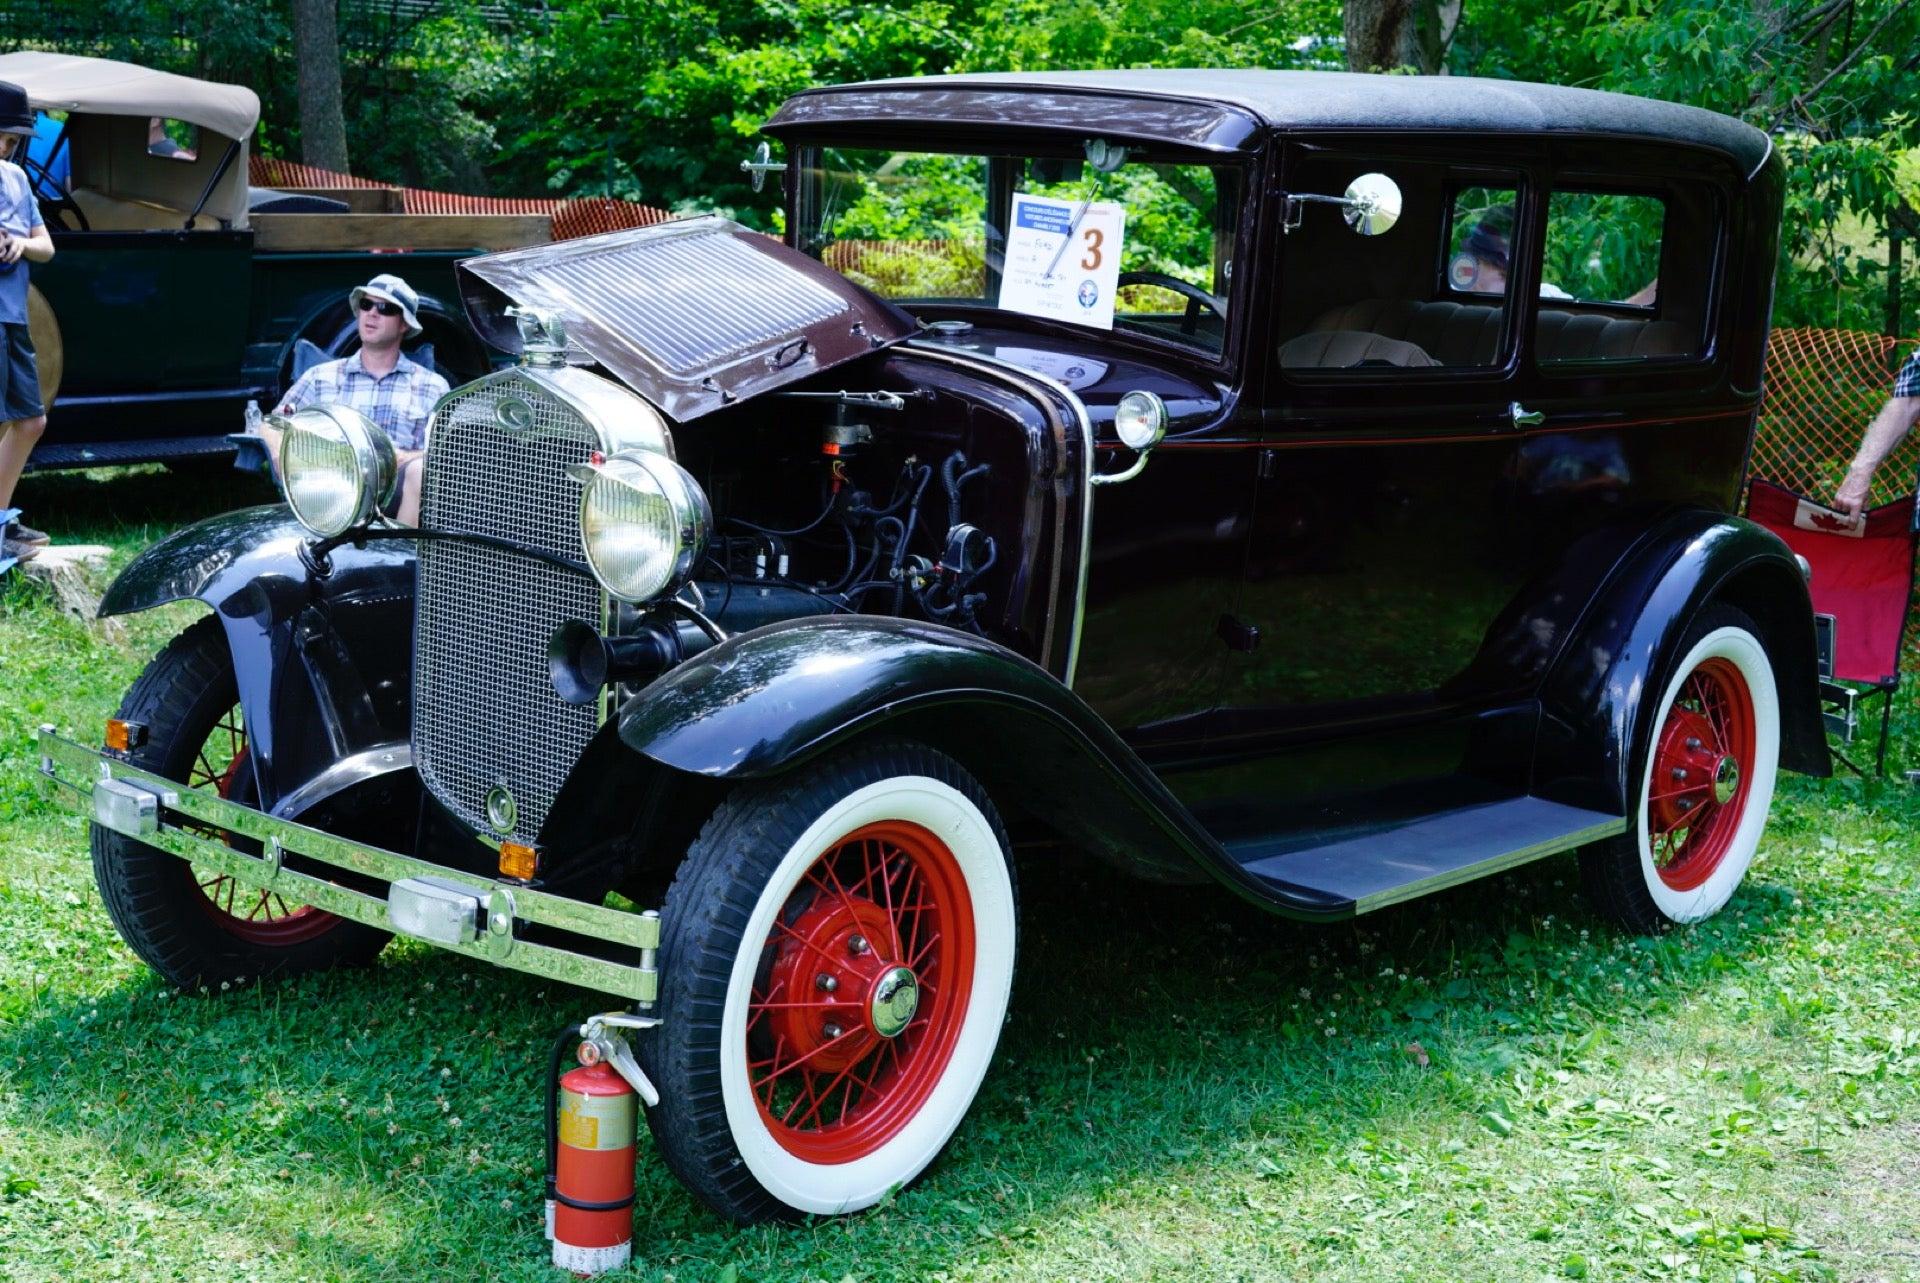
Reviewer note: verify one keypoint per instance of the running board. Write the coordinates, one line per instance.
(1359, 874)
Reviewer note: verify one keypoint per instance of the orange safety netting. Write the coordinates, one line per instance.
(586, 216)
(1823, 389)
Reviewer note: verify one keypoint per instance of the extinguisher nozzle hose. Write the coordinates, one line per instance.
(563, 1042)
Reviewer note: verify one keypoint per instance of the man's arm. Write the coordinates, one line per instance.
(300, 393)
(1886, 431)
(36, 246)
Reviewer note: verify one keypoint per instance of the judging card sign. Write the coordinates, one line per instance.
(1063, 259)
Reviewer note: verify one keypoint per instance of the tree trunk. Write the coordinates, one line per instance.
(316, 50)
(1387, 35)
(1893, 285)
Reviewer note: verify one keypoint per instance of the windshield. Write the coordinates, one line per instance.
(1146, 248)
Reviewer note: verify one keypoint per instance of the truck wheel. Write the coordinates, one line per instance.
(838, 953)
(1706, 774)
(196, 926)
(49, 349)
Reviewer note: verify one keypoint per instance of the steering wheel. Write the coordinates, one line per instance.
(41, 182)
(1196, 297)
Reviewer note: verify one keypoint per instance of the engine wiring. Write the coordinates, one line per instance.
(877, 540)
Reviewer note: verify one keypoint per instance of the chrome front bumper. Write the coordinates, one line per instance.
(151, 809)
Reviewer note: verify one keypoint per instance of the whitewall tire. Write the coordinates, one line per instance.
(1707, 762)
(836, 967)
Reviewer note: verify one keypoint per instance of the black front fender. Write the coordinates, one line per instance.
(767, 701)
(322, 660)
(1617, 658)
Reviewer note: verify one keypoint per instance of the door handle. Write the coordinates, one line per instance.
(1239, 634)
(1521, 417)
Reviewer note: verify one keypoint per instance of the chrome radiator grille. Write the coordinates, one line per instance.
(484, 710)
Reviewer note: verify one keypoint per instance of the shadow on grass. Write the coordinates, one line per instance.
(119, 506)
(1156, 1033)
(371, 1124)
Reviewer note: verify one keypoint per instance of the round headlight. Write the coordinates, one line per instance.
(643, 521)
(337, 465)
(1141, 420)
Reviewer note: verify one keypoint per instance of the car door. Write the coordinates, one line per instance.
(1378, 553)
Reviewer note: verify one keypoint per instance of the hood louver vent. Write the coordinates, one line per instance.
(692, 315)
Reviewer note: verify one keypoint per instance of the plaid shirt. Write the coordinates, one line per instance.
(400, 403)
(1907, 382)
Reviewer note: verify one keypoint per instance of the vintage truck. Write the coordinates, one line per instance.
(1318, 485)
(177, 292)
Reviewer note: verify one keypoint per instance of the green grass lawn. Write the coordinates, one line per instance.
(1490, 1085)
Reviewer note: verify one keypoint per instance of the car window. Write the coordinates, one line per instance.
(172, 139)
(1430, 293)
(1154, 259)
(1480, 240)
(1603, 298)
(1604, 248)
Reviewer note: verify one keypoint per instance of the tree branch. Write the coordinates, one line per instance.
(1799, 101)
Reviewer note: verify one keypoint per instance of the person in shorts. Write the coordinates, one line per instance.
(23, 239)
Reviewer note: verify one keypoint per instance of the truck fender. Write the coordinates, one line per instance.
(323, 661)
(1616, 658)
(768, 701)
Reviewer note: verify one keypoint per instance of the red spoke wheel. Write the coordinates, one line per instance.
(869, 968)
(254, 915)
(1709, 759)
(1702, 774)
(192, 924)
(837, 959)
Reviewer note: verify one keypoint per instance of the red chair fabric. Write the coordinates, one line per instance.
(1862, 574)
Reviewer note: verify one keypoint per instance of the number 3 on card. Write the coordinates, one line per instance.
(1095, 238)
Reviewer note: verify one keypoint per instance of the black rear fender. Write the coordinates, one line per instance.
(322, 660)
(1614, 659)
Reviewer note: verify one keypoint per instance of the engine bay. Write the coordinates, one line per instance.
(911, 504)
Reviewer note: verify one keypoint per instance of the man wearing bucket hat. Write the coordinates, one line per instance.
(23, 239)
(379, 380)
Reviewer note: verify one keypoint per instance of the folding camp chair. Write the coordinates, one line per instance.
(1862, 584)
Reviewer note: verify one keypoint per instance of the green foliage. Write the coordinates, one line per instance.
(1833, 82)
(1602, 248)
(658, 102)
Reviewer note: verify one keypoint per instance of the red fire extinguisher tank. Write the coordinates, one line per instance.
(592, 1214)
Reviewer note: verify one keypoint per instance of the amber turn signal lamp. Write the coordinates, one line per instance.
(124, 737)
(519, 861)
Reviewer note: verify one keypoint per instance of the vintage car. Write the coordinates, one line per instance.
(1320, 485)
(177, 292)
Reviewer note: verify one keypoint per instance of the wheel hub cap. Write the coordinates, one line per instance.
(896, 997)
(1726, 781)
(1702, 762)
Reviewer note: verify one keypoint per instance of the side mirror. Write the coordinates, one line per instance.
(760, 164)
(1373, 204)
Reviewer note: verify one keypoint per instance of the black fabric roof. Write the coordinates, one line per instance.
(1336, 100)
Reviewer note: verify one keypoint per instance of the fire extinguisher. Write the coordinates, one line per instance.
(591, 1114)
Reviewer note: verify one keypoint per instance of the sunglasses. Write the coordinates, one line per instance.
(380, 306)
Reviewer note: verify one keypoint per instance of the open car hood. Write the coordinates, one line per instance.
(693, 314)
